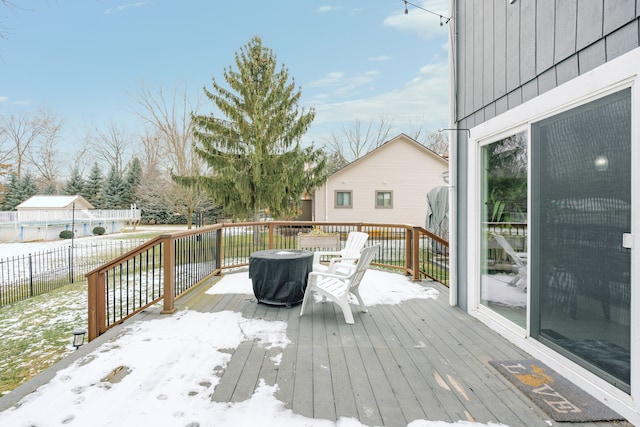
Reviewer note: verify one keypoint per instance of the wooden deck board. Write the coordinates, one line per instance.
(421, 359)
(469, 358)
(352, 339)
(426, 398)
(302, 399)
(342, 390)
(323, 400)
(394, 397)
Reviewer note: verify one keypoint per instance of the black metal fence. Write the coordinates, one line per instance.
(25, 276)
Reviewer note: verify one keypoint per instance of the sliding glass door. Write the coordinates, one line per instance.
(504, 281)
(581, 213)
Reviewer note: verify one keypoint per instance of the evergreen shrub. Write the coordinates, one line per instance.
(66, 234)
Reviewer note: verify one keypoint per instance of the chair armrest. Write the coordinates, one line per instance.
(336, 274)
(339, 260)
(318, 254)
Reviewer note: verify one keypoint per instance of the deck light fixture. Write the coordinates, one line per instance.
(78, 338)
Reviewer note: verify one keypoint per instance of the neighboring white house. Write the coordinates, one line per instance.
(44, 217)
(387, 185)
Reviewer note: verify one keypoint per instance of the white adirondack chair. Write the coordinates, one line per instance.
(349, 254)
(337, 286)
(520, 260)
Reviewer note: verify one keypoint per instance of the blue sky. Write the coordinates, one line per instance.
(354, 60)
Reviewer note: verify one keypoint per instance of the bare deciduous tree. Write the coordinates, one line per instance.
(21, 131)
(5, 149)
(438, 142)
(151, 153)
(355, 140)
(112, 145)
(435, 141)
(43, 155)
(169, 115)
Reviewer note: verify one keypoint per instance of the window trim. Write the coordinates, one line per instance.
(335, 199)
(377, 206)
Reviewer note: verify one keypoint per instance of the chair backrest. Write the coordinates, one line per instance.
(366, 256)
(355, 242)
(508, 249)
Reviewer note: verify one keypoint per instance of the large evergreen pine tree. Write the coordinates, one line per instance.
(75, 183)
(10, 194)
(50, 190)
(92, 190)
(114, 191)
(27, 188)
(132, 178)
(254, 152)
(17, 191)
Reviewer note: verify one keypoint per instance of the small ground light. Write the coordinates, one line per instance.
(78, 338)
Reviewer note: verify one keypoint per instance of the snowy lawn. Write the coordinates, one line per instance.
(37, 332)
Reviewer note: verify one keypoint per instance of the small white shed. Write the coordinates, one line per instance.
(55, 203)
(51, 208)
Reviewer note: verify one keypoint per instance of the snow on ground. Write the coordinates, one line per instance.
(163, 371)
(119, 384)
(24, 248)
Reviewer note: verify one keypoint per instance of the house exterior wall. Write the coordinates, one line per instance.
(508, 53)
(502, 60)
(401, 166)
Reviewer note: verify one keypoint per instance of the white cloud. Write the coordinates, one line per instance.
(379, 58)
(403, 104)
(324, 9)
(4, 99)
(330, 79)
(341, 85)
(124, 7)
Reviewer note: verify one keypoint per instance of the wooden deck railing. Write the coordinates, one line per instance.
(169, 265)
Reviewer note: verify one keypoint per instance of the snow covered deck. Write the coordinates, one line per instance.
(224, 360)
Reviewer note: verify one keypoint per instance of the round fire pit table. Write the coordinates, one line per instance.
(279, 276)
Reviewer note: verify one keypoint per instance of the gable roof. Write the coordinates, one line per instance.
(57, 202)
(401, 137)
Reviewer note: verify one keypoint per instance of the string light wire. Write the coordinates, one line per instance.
(443, 19)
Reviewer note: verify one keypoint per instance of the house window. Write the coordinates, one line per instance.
(504, 228)
(384, 199)
(344, 199)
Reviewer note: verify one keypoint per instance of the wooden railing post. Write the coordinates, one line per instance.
(407, 251)
(415, 253)
(96, 295)
(270, 235)
(169, 275)
(219, 235)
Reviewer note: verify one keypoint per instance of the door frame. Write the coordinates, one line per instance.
(619, 73)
